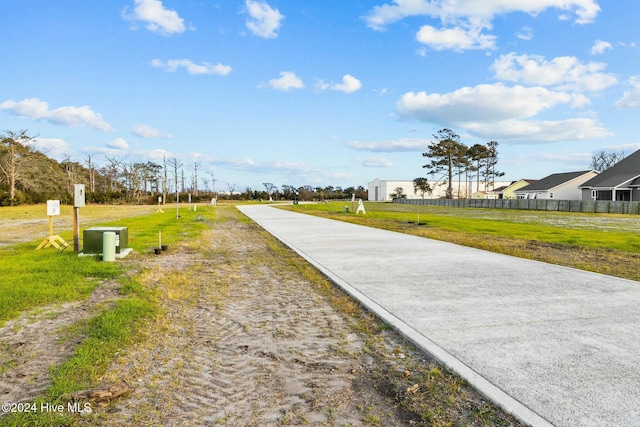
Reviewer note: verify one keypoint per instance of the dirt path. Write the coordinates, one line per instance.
(242, 341)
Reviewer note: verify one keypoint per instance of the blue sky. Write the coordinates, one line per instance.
(321, 93)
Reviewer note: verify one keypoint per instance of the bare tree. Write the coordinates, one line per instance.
(113, 172)
(175, 165)
(602, 161)
(232, 188)
(165, 190)
(15, 150)
(195, 167)
(270, 189)
(72, 170)
(213, 182)
(92, 173)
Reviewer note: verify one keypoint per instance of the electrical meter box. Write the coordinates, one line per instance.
(78, 195)
(92, 239)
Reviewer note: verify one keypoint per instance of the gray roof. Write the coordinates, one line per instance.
(552, 181)
(623, 171)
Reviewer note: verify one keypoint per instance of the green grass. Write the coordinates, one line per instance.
(33, 278)
(38, 278)
(608, 231)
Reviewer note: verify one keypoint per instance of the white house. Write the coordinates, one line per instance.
(561, 186)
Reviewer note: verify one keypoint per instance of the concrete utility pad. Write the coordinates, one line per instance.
(562, 342)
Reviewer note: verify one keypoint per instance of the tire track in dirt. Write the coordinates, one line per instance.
(243, 341)
(36, 340)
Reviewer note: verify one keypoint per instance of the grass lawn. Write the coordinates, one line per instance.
(606, 243)
(33, 279)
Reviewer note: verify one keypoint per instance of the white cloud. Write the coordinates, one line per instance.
(563, 72)
(118, 144)
(393, 146)
(525, 34)
(474, 10)
(463, 21)
(263, 21)
(321, 85)
(497, 111)
(287, 81)
(349, 84)
(158, 19)
(172, 65)
(54, 147)
(457, 39)
(374, 162)
(145, 131)
(539, 131)
(35, 109)
(631, 98)
(482, 102)
(600, 46)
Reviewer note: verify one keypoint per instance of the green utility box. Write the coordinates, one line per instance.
(92, 239)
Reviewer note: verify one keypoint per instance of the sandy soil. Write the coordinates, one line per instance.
(247, 343)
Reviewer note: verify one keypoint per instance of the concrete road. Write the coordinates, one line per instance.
(553, 345)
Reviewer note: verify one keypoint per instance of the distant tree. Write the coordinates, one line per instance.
(232, 188)
(361, 193)
(16, 148)
(490, 173)
(602, 161)
(289, 192)
(196, 167)
(422, 186)
(478, 155)
(398, 193)
(446, 153)
(72, 170)
(175, 165)
(92, 173)
(270, 188)
(305, 192)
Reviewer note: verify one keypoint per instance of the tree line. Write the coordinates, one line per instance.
(450, 158)
(28, 175)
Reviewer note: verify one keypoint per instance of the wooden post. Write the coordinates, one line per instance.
(76, 229)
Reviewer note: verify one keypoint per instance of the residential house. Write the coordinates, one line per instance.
(621, 182)
(509, 192)
(561, 186)
(504, 192)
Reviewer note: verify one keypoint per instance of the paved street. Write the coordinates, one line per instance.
(554, 345)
